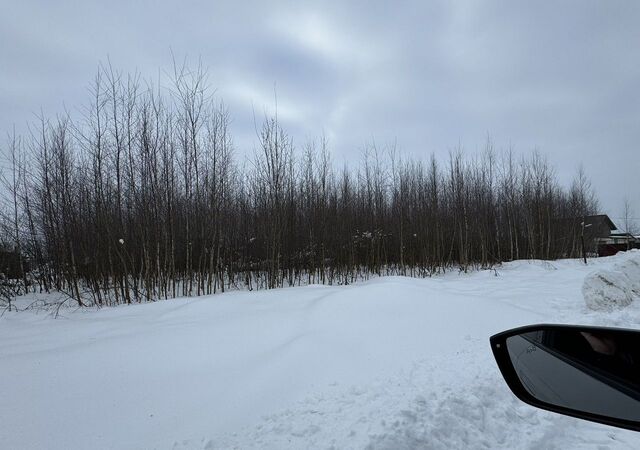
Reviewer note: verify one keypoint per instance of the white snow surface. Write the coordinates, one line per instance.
(391, 363)
(615, 287)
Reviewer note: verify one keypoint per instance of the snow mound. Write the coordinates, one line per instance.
(631, 268)
(482, 418)
(467, 410)
(615, 288)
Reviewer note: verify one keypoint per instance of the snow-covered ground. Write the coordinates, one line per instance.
(392, 363)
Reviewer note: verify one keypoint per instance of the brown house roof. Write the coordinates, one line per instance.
(600, 219)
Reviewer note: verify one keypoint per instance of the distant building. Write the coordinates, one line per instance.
(602, 235)
(617, 242)
(598, 227)
(571, 230)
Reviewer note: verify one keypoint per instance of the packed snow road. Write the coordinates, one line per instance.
(392, 363)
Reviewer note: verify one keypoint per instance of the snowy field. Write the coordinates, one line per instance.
(392, 363)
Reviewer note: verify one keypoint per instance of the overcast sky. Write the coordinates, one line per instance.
(563, 77)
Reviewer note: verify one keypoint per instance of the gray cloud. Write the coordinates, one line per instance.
(561, 77)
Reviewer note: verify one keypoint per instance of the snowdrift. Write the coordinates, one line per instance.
(609, 289)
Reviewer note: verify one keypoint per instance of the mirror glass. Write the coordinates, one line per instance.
(581, 368)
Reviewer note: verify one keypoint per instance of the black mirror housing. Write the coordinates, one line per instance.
(592, 373)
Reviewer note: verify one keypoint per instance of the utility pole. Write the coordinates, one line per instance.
(584, 251)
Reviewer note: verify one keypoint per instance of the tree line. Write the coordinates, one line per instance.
(144, 197)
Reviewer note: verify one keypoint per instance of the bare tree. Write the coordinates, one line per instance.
(142, 199)
(628, 220)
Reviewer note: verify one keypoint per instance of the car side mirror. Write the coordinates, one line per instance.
(592, 373)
